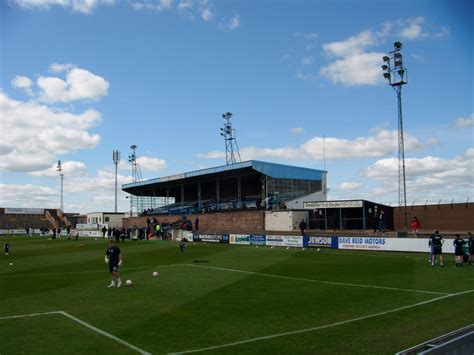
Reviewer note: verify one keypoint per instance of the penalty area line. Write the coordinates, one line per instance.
(320, 281)
(320, 327)
(84, 324)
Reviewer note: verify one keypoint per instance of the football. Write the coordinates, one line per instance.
(128, 282)
(155, 274)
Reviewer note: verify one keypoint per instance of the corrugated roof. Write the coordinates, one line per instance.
(274, 170)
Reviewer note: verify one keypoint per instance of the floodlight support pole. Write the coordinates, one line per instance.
(62, 185)
(397, 76)
(116, 159)
(402, 187)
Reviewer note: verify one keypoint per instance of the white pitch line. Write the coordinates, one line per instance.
(30, 315)
(104, 333)
(88, 272)
(85, 324)
(321, 281)
(322, 326)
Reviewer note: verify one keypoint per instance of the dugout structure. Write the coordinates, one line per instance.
(245, 185)
(347, 215)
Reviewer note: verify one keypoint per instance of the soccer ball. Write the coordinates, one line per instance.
(317, 249)
(128, 282)
(10, 264)
(155, 274)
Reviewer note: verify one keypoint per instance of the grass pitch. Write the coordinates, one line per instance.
(245, 300)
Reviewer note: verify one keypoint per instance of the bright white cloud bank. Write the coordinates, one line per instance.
(355, 62)
(37, 134)
(81, 6)
(382, 143)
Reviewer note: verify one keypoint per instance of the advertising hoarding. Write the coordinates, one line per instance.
(257, 240)
(239, 239)
(211, 238)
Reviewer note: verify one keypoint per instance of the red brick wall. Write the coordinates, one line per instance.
(229, 222)
(457, 217)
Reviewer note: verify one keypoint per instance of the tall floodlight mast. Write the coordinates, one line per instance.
(116, 159)
(136, 172)
(396, 74)
(232, 154)
(59, 169)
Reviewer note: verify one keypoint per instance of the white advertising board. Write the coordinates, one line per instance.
(17, 231)
(92, 234)
(24, 211)
(239, 239)
(391, 244)
(332, 204)
(87, 226)
(285, 241)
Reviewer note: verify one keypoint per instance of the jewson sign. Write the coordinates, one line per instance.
(320, 242)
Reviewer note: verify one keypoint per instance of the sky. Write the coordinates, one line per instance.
(303, 79)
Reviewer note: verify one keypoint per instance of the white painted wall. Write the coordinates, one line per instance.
(284, 220)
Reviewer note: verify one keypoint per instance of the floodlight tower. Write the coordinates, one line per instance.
(116, 159)
(232, 154)
(136, 172)
(59, 169)
(396, 74)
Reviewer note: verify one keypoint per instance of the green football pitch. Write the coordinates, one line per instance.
(242, 300)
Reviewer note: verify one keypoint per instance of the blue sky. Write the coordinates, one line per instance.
(81, 78)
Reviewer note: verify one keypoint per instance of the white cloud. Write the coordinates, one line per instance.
(383, 143)
(297, 130)
(309, 36)
(69, 168)
(80, 84)
(160, 5)
(38, 133)
(22, 82)
(354, 66)
(428, 177)
(306, 77)
(212, 155)
(234, 23)
(347, 186)
(151, 164)
(206, 10)
(81, 6)
(28, 196)
(352, 45)
(464, 122)
(357, 69)
(355, 63)
(184, 5)
(413, 29)
(59, 68)
(307, 60)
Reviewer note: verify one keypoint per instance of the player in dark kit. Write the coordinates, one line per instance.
(113, 257)
(470, 245)
(6, 248)
(436, 244)
(182, 245)
(458, 250)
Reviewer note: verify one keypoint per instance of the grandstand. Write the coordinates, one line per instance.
(245, 185)
(36, 218)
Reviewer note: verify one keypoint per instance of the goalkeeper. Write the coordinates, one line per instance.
(113, 257)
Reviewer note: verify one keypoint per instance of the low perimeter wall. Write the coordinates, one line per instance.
(240, 222)
(456, 217)
(329, 242)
